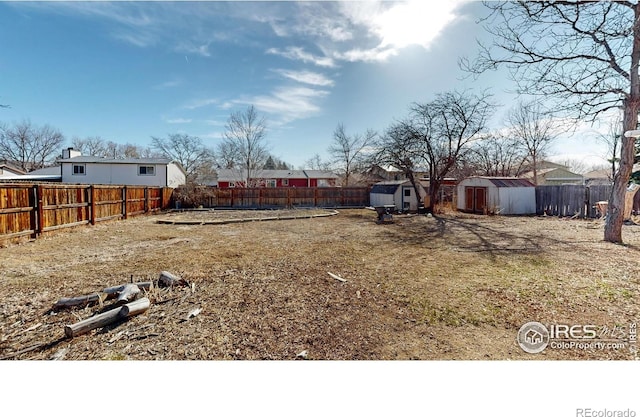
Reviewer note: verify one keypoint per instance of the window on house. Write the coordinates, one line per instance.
(78, 169)
(271, 183)
(407, 192)
(146, 170)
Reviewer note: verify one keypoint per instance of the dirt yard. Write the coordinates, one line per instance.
(455, 286)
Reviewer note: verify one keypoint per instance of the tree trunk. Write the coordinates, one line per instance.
(615, 216)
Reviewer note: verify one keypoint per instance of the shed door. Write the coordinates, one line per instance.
(475, 199)
(468, 198)
(481, 199)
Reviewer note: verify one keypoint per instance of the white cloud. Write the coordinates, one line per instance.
(299, 54)
(179, 121)
(190, 48)
(306, 77)
(168, 84)
(286, 103)
(196, 104)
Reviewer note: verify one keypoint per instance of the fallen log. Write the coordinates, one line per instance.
(108, 317)
(135, 307)
(167, 279)
(86, 325)
(112, 292)
(129, 293)
(82, 300)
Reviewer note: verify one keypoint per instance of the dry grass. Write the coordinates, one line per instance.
(452, 287)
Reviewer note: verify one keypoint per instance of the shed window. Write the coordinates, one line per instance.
(285, 182)
(146, 170)
(271, 183)
(78, 169)
(232, 184)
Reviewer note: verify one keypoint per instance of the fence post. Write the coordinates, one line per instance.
(33, 196)
(92, 202)
(40, 210)
(289, 198)
(124, 201)
(146, 199)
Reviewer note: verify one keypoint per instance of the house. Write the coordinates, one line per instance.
(7, 170)
(399, 193)
(550, 173)
(272, 178)
(496, 195)
(599, 177)
(156, 172)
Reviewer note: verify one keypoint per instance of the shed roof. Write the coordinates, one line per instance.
(507, 181)
(387, 187)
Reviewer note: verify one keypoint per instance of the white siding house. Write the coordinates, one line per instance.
(158, 172)
(399, 193)
(496, 195)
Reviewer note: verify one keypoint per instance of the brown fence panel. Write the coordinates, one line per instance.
(265, 198)
(63, 206)
(355, 197)
(224, 197)
(17, 211)
(246, 197)
(108, 203)
(28, 209)
(274, 197)
(136, 200)
(303, 197)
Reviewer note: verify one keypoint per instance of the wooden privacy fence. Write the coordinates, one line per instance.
(30, 210)
(570, 200)
(265, 198)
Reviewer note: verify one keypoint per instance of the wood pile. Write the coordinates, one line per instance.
(130, 300)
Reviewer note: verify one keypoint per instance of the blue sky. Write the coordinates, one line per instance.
(126, 71)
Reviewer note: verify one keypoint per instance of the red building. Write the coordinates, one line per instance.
(276, 178)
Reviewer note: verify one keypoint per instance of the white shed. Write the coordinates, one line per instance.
(399, 193)
(496, 195)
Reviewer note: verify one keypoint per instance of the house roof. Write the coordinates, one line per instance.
(507, 181)
(98, 160)
(238, 175)
(12, 169)
(599, 173)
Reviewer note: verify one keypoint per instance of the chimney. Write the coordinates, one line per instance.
(70, 153)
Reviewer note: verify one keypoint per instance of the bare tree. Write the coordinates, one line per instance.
(316, 162)
(497, 155)
(585, 55)
(533, 132)
(446, 127)
(243, 146)
(347, 152)
(93, 145)
(399, 148)
(196, 159)
(30, 147)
